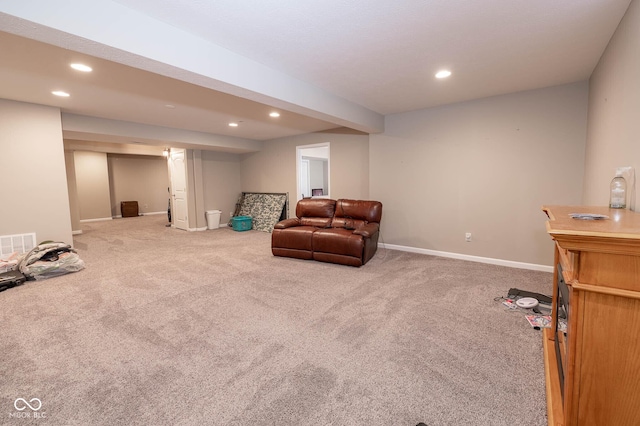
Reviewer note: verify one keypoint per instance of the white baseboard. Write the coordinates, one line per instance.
(197, 229)
(76, 232)
(489, 260)
(142, 214)
(100, 219)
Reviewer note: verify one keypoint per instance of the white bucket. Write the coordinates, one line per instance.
(213, 219)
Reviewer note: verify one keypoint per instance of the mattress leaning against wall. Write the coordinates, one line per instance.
(265, 208)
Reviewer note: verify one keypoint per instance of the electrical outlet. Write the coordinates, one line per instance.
(146, 206)
(623, 170)
(467, 237)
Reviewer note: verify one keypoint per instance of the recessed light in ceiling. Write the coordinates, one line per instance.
(81, 67)
(443, 74)
(274, 114)
(61, 93)
(233, 124)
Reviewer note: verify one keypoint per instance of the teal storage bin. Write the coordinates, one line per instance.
(241, 223)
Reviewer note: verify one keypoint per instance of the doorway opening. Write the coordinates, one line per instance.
(313, 171)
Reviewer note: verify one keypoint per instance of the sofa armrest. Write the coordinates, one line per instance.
(367, 230)
(287, 223)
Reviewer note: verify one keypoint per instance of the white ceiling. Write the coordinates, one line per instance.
(321, 64)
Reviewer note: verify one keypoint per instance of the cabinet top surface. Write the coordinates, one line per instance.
(621, 223)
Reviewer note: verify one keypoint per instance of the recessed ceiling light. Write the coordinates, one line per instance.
(61, 93)
(443, 74)
(274, 114)
(81, 67)
(233, 124)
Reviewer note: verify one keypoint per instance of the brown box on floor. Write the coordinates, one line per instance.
(129, 208)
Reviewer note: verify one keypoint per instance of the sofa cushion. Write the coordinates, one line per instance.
(287, 223)
(316, 207)
(355, 213)
(338, 241)
(298, 237)
(297, 254)
(337, 258)
(318, 222)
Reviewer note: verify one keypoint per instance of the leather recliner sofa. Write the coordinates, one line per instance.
(336, 231)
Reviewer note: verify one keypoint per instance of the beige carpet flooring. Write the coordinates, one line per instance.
(166, 327)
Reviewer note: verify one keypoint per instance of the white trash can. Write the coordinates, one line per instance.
(213, 219)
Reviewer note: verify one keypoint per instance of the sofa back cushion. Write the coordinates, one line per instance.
(355, 213)
(316, 212)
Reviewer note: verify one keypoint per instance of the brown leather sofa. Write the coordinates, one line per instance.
(342, 231)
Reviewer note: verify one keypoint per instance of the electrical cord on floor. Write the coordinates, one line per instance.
(383, 245)
(509, 303)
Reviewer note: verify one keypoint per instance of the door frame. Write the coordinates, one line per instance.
(300, 152)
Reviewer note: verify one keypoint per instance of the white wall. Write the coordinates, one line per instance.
(32, 172)
(221, 182)
(141, 178)
(73, 192)
(614, 111)
(92, 183)
(485, 167)
(274, 168)
(349, 166)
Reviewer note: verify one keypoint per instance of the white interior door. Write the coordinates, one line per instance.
(178, 172)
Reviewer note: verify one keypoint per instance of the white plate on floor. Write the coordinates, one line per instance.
(527, 302)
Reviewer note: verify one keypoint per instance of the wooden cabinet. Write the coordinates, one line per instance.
(129, 208)
(593, 370)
